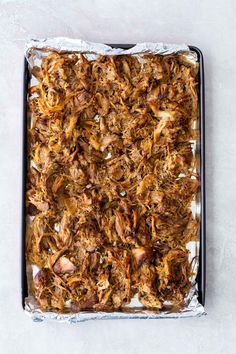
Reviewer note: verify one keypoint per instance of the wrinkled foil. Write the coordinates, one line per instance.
(35, 50)
(63, 44)
(195, 309)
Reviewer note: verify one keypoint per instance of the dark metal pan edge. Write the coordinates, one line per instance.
(202, 256)
(24, 290)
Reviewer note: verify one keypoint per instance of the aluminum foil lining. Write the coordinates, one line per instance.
(35, 50)
(194, 309)
(63, 44)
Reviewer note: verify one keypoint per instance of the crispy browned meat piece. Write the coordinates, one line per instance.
(111, 180)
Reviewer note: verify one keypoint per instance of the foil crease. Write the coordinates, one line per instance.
(34, 51)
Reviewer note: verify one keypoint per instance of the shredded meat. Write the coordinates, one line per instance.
(111, 180)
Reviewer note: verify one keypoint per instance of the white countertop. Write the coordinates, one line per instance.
(208, 24)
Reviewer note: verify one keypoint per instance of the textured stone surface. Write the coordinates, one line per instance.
(208, 24)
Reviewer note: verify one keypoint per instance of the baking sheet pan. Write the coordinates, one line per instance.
(201, 276)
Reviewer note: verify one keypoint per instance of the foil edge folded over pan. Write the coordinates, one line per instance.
(34, 50)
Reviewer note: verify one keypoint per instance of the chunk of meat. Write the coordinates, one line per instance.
(64, 265)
